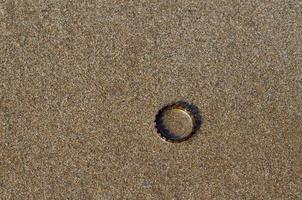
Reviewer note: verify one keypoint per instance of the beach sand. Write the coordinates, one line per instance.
(81, 83)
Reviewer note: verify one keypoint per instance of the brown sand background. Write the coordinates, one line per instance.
(81, 82)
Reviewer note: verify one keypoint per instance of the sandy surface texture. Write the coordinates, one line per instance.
(82, 81)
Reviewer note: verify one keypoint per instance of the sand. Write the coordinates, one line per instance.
(81, 83)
